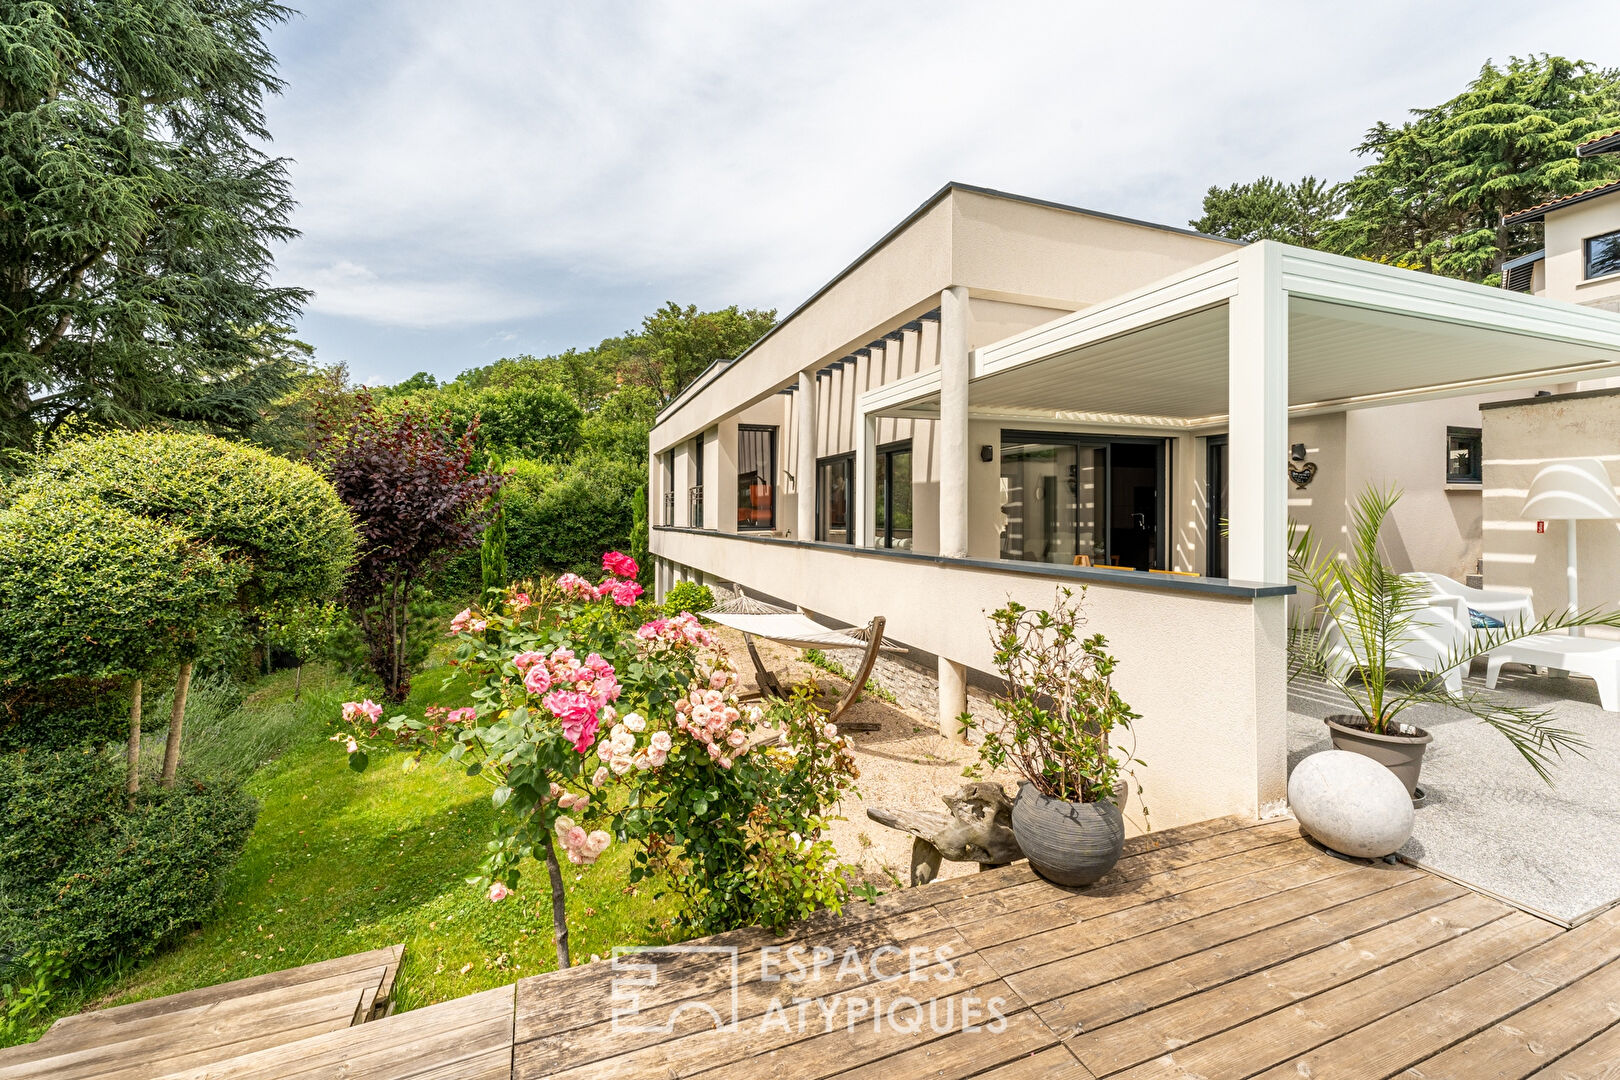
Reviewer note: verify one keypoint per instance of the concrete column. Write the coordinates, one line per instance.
(953, 423)
(1257, 402)
(952, 699)
(804, 473)
(865, 494)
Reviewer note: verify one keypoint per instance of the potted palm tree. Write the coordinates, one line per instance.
(1379, 638)
(1060, 717)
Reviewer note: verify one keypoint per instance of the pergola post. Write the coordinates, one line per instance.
(804, 474)
(865, 494)
(952, 439)
(953, 423)
(1257, 506)
(1257, 407)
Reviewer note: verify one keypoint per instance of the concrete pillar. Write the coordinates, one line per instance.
(953, 423)
(1257, 403)
(804, 473)
(865, 494)
(1257, 508)
(952, 699)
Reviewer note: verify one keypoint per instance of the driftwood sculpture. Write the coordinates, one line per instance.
(977, 829)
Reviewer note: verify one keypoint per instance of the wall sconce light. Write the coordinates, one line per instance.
(987, 452)
(1297, 452)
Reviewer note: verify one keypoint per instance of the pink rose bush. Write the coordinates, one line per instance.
(579, 706)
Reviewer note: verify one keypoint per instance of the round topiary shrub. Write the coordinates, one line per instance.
(279, 517)
(92, 594)
(688, 596)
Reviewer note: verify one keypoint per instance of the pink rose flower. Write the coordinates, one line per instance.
(624, 593)
(537, 680)
(577, 587)
(620, 565)
(577, 713)
(498, 892)
(524, 660)
(464, 715)
(459, 623)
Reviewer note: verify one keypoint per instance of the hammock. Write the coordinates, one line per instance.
(755, 618)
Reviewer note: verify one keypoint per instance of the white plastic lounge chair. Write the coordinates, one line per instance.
(1503, 605)
(1596, 658)
(1436, 630)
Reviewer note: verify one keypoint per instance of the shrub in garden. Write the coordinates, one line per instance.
(417, 498)
(688, 596)
(94, 597)
(277, 522)
(87, 878)
(579, 707)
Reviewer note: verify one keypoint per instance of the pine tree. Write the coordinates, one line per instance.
(138, 215)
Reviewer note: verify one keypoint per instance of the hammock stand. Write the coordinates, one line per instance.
(755, 618)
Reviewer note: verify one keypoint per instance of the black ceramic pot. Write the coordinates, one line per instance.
(1068, 843)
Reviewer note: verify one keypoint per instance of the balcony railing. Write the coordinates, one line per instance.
(669, 508)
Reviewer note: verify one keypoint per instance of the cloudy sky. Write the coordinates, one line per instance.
(482, 180)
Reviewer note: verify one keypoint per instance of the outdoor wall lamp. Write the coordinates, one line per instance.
(987, 452)
(1297, 451)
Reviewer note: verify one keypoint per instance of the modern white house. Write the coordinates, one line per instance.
(1004, 396)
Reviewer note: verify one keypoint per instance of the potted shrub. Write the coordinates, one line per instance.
(1362, 634)
(1060, 716)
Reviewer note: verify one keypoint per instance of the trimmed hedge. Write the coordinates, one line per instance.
(281, 517)
(88, 878)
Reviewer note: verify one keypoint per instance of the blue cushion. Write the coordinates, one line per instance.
(1481, 621)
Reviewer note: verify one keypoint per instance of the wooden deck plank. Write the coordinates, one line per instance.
(1120, 959)
(1100, 899)
(1246, 1049)
(444, 1040)
(557, 1002)
(1036, 891)
(387, 958)
(963, 1053)
(596, 1036)
(1523, 1043)
(1403, 1038)
(779, 1036)
(1184, 1001)
(1160, 912)
(1598, 1059)
(215, 1033)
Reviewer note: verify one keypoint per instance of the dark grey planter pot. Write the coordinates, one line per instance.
(1400, 750)
(1067, 843)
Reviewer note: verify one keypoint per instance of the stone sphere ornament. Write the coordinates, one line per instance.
(1351, 804)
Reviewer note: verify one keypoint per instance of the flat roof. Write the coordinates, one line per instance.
(719, 366)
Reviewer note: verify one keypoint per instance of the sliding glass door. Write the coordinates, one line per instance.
(1076, 499)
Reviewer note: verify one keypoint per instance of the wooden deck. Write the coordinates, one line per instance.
(1224, 949)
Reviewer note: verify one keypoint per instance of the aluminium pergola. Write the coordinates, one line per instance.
(1240, 344)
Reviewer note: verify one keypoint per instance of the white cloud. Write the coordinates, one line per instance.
(458, 169)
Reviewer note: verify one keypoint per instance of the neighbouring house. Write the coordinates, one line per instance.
(1005, 395)
(1578, 263)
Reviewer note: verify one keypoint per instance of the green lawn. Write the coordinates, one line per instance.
(341, 862)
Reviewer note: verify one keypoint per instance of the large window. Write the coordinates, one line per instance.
(1463, 461)
(756, 477)
(1603, 255)
(696, 516)
(835, 480)
(1080, 499)
(892, 502)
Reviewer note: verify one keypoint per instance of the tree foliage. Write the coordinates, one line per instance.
(1268, 209)
(411, 484)
(279, 520)
(138, 218)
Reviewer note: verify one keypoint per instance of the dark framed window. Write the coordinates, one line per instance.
(1218, 483)
(756, 477)
(1464, 462)
(1076, 499)
(1603, 255)
(891, 503)
(697, 483)
(835, 486)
